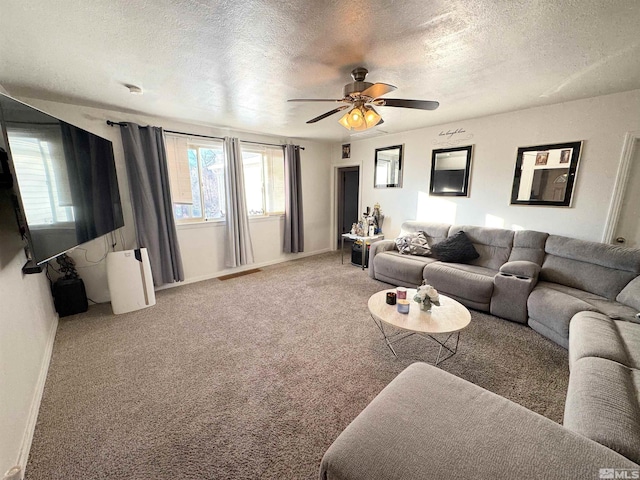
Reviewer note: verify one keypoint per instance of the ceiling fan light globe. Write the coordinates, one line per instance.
(344, 121)
(372, 118)
(356, 119)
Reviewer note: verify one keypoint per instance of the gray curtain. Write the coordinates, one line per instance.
(293, 219)
(239, 250)
(146, 161)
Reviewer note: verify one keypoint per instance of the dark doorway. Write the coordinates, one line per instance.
(348, 186)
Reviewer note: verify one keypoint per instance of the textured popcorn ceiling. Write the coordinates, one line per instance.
(235, 63)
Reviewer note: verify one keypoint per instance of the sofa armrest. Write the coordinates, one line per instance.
(511, 288)
(521, 268)
(430, 424)
(379, 247)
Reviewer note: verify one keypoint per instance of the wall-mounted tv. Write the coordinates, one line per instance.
(65, 178)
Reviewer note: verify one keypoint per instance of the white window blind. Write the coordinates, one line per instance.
(179, 172)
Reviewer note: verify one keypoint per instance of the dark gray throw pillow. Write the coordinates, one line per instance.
(455, 249)
(414, 244)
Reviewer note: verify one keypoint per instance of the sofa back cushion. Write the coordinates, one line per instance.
(493, 244)
(630, 295)
(435, 232)
(594, 267)
(602, 404)
(528, 245)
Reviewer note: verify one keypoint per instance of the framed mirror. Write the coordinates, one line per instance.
(388, 167)
(545, 174)
(450, 169)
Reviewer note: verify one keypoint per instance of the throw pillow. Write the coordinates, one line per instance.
(414, 244)
(455, 249)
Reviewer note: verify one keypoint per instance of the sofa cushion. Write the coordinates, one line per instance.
(414, 244)
(528, 245)
(457, 249)
(429, 424)
(492, 244)
(553, 308)
(465, 282)
(602, 404)
(611, 308)
(630, 295)
(594, 267)
(593, 334)
(398, 268)
(435, 232)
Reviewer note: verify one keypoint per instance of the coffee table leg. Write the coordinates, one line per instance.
(386, 339)
(444, 345)
(342, 251)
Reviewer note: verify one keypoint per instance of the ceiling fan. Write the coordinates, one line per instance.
(361, 97)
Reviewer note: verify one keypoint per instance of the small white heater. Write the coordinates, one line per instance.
(130, 281)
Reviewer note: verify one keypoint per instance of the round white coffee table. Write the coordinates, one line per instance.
(447, 319)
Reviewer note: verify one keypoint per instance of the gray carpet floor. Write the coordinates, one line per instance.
(250, 378)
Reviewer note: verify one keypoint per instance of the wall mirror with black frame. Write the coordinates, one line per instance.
(450, 168)
(388, 167)
(545, 174)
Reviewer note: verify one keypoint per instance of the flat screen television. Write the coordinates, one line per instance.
(65, 178)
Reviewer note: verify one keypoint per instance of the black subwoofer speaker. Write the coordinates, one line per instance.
(70, 296)
(356, 254)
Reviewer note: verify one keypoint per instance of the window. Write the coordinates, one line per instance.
(196, 176)
(263, 179)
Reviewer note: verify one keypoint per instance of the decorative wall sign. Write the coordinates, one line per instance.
(452, 137)
(545, 174)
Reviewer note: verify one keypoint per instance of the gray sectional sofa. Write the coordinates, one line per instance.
(429, 424)
(525, 276)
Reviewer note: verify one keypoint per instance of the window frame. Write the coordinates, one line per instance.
(267, 155)
(197, 144)
(267, 158)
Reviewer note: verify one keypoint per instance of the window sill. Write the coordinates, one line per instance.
(221, 223)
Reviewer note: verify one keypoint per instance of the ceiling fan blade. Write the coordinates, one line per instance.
(328, 114)
(399, 102)
(315, 100)
(378, 89)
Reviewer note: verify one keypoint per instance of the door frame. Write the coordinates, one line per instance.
(620, 185)
(340, 194)
(334, 199)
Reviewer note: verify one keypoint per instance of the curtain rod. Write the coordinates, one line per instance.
(122, 124)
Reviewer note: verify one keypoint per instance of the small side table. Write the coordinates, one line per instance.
(355, 238)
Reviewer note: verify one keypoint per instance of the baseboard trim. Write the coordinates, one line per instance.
(27, 437)
(221, 273)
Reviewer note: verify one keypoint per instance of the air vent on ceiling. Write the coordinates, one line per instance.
(369, 133)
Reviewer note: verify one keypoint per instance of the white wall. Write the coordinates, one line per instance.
(28, 324)
(601, 122)
(202, 245)
(27, 328)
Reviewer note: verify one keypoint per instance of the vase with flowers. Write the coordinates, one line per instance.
(427, 296)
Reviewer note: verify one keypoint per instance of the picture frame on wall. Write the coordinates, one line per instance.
(346, 150)
(546, 184)
(387, 171)
(542, 158)
(450, 169)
